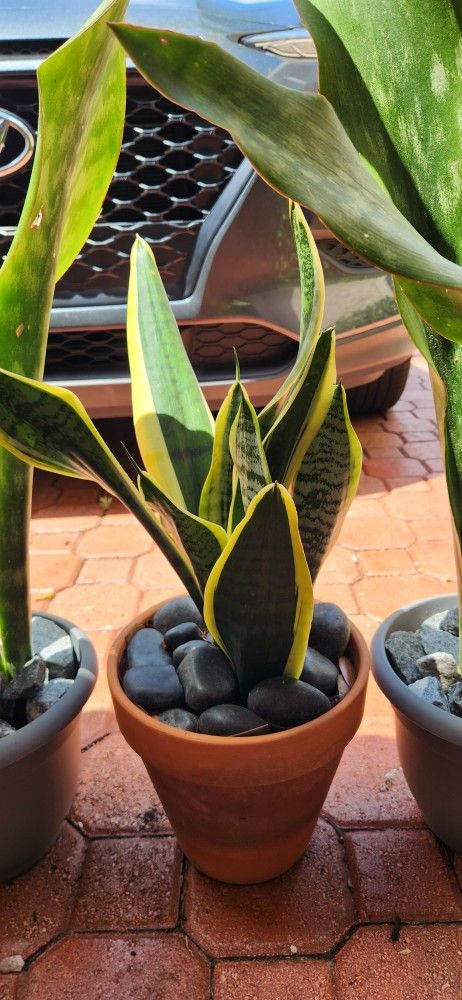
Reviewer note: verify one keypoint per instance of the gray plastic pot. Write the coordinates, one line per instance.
(39, 768)
(429, 739)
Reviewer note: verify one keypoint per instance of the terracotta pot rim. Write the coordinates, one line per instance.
(428, 717)
(43, 729)
(201, 739)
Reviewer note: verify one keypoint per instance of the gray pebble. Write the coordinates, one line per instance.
(231, 720)
(438, 641)
(441, 665)
(145, 647)
(154, 688)
(454, 696)
(27, 682)
(448, 621)
(285, 702)
(44, 632)
(207, 678)
(59, 658)
(180, 719)
(5, 729)
(320, 672)
(176, 611)
(330, 630)
(180, 634)
(180, 652)
(429, 688)
(404, 649)
(48, 695)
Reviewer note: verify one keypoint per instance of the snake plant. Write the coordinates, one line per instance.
(244, 506)
(377, 154)
(81, 116)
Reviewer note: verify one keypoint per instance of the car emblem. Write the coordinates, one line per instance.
(24, 138)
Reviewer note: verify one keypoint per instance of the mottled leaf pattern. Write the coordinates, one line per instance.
(247, 451)
(50, 428)
(258, 602)
(312, 298)
(326, 482)
(216, 498)
(303, 414)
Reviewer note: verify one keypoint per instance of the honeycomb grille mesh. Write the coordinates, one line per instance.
(90, 353)
(172, 168)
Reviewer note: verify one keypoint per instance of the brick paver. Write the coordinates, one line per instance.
(373, 910)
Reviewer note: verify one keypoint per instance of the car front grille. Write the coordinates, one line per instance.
(172, 168)
(80, 354)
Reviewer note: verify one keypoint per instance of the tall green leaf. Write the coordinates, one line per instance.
(217, 493)
(312, 298)
(326, 482)
(299, 146)
(49, 428)
(303, 414)
(81, 114)
(247, 451)
(202, 540)
(173, 424)
(258, 602)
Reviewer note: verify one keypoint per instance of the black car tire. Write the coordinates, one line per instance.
(381, 394)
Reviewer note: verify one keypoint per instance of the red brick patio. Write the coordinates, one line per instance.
(374, 909)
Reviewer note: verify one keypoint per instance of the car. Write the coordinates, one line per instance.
(221, 236)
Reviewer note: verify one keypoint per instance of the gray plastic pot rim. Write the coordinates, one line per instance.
(38, 732)
(434, 720)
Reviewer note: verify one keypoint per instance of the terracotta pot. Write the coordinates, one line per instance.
(242, 808)
(429, 740)
(39, 768)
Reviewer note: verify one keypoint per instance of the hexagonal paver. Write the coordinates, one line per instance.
(115, 794)
(157, 967)
(103, 541)
(309, 908)
(401, 873)
(7, 987)
(35, 907)
(426, 963)
(282, 980)
(129, 884)
(97, 605)
(375, 533)
(369, 786)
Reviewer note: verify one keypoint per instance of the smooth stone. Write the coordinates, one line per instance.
(5, 729)
(429, 688)
(155, 687)
(285, 702)
(231, 720)
(28, 681)
(180, 652)
(44, 632)
(404, 649)
(454, 696)
(441, 665)
(180, 634)
(207, 678)
(438, 641)
(319, 671)
(60, 659)
(145, 648)
(48, 695)
(7, 708)
(180, 719)
(175, 612)
(330, 630)
(448, 621)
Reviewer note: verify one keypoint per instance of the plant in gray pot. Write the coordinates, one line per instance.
(47, 666)
(378, 156)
